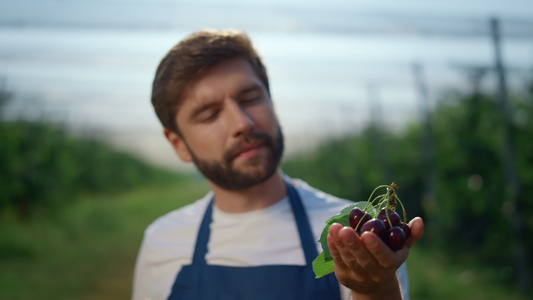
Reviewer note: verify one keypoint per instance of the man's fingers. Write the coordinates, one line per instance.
(417, 230)
(382, 253)
(366, 259)
(340, 246)
(333, 239)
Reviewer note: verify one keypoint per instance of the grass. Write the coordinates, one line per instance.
(87, 251)
(434, 275)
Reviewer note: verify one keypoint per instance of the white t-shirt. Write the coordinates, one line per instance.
(261, 237)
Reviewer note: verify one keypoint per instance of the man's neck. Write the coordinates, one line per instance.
(257, 197)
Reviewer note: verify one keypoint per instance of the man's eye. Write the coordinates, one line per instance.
(207, 116)
(251, 99)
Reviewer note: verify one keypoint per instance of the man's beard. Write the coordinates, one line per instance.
(224, 175)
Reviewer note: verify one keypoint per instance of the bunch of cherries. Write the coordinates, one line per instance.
(387, 224)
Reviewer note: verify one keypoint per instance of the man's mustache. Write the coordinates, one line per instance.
(258, 136)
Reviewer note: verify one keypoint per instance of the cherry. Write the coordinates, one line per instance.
(406, 230)
(393, 216)
(395, 238)
(387, 224)
(358, 218)
(376, 226)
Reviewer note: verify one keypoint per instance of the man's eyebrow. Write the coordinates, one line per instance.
(249, 88)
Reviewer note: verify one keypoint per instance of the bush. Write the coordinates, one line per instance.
(42, 166)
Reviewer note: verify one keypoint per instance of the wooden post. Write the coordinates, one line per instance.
(376, 125)
(426, 140)
(512, 182)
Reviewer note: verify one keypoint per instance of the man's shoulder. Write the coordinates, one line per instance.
(319, 205)
(182, 218)
(318, 200)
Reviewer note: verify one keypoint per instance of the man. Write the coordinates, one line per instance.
(254, 235)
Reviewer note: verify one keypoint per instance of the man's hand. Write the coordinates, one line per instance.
(365, 264)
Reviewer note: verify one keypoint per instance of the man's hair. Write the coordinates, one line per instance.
(191, 58)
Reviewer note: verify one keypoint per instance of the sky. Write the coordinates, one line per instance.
(90, 64)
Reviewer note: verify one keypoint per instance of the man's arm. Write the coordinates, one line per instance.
(365, 264)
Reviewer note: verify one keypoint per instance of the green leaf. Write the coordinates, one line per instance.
(343, 219)
(363, 205)
(322, 266)
(323, 263)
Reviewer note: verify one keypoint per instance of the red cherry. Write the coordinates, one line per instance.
(393, 216)
(395, 238)
(376, 226)
(406, 230)
(358, 218)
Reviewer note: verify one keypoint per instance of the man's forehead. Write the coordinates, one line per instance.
(202, 95)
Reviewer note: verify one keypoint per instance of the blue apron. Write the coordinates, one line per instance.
(200, 281)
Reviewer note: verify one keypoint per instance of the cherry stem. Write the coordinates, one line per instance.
(383, 200)
(371, 201)
(403, 210)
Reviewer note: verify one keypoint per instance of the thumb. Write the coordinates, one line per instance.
(417, 231)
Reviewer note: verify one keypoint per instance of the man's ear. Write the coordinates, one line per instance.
(178, 144)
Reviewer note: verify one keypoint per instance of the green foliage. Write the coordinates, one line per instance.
(87, 250)
(436, 275)
(42, 167)
(324, 264)
(470, 213)
(348, 168)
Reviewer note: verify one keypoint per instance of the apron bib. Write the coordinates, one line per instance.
(200, 281)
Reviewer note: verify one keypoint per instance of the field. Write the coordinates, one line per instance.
(88, 250)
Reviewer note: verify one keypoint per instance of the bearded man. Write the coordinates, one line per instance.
(253, 236)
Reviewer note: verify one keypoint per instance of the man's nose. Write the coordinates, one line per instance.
(240, 119)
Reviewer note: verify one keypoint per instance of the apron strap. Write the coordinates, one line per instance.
(307, 239)
(200, 250)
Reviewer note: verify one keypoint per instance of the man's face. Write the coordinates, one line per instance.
(229, 128)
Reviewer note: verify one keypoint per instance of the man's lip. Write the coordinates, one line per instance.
(247, 148)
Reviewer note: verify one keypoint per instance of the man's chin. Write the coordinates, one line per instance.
(254, 163)
(238, 173)
(245, 176)
(241, 181)
(252, 173)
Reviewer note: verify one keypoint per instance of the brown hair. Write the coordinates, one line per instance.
(189, 59)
